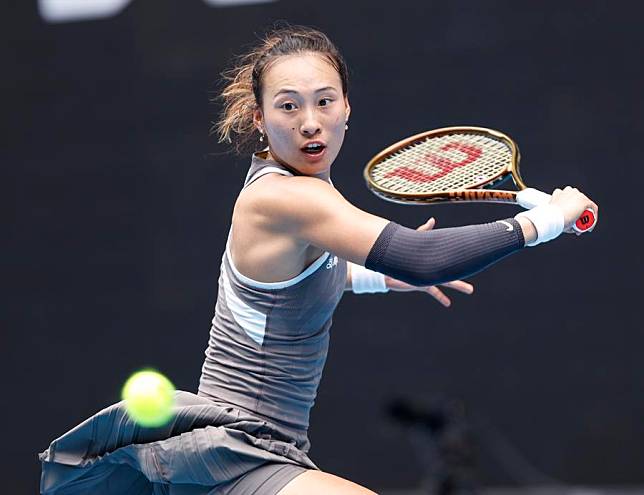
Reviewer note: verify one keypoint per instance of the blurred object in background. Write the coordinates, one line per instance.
(79, 10)
(448, 442)
(443, 442)
(232, 3)
(84, 10)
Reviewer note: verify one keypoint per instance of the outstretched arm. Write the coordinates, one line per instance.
(432, 290)
(314, 212)
(389, 283)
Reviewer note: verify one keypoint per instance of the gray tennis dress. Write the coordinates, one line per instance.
(245, 432)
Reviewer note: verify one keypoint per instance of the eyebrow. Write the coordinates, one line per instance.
(292, 91)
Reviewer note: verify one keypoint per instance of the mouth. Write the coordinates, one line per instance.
(314, 148)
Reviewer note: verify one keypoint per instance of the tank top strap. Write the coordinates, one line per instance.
(261, 166)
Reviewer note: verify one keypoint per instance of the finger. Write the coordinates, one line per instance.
(428, 225)
(438, 294)
(595, 208)
(459, 285)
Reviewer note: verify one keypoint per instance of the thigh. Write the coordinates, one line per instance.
(313, 482)
(267, 479)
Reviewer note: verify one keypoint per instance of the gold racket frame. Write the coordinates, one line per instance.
(471, 193)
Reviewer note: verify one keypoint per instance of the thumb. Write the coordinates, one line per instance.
(428, 225)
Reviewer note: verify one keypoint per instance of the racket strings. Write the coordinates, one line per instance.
(439, 163)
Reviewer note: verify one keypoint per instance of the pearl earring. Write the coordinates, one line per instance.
(261, 136)
(346, 125)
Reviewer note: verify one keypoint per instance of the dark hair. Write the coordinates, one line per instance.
(243, 91)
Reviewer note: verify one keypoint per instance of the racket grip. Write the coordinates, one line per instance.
(529, 198)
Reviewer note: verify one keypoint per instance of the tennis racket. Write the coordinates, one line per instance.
(456, 164)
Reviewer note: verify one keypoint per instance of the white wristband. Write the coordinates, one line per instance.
(365, 281)
(548, 220)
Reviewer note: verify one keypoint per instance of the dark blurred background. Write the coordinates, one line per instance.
(117, 204)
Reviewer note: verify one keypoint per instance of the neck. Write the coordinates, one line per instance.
(324, 175)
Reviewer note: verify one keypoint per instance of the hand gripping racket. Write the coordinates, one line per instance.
(456, 164)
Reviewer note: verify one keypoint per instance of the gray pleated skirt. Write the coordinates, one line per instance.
(208, 448)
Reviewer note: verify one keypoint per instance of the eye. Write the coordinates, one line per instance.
(325, 101)
(288, 106)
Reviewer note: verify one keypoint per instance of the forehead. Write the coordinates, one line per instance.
(303, 71)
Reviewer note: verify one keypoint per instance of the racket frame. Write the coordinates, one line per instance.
(478, 192)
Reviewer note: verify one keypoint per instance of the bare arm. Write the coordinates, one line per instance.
(312, 211)
(316, 213)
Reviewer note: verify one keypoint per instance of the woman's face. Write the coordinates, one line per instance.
(303, 112)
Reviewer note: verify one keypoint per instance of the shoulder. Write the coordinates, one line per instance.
(292, 200)
(276, 188)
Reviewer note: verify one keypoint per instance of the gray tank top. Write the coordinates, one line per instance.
(269, 341)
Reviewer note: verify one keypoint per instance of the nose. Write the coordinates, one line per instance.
(310, 125)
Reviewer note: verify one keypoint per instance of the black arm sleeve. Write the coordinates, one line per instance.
(442, 255)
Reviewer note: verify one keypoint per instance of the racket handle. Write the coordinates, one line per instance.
(529, 198)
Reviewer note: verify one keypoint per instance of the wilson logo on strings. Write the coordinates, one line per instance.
(442, 163)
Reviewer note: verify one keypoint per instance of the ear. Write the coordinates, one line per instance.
(348, 108)
(258, 119)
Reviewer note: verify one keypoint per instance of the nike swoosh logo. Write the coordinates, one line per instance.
(509, 226)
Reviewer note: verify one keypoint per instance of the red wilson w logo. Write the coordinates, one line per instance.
(444, 164)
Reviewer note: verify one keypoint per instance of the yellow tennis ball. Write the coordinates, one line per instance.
(149, 398)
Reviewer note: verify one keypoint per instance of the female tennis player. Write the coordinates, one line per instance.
(294, 246)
